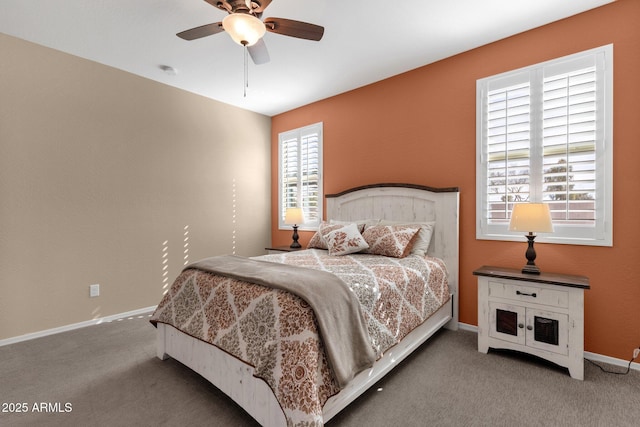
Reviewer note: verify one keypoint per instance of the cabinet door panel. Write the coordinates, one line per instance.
(547, 331)
(506, 322)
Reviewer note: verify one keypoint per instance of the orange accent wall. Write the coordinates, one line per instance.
(420, 127)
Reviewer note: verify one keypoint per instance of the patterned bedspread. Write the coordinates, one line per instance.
(276, 332)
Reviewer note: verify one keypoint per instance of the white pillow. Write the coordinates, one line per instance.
(344, 240)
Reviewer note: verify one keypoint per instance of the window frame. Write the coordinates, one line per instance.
(601, 233)
(299, 134)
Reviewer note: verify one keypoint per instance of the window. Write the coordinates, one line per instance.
(300, 174)
(544, 134)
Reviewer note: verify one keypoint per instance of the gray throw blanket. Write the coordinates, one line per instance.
(342, 325)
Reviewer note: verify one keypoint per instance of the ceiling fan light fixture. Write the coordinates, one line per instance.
(244, 29)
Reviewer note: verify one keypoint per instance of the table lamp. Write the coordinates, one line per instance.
(531, 217)
(294, 216)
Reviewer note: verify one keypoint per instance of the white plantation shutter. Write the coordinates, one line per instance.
(508, 156)
(569, 140)
(545, 135)
(300, 174)
(290, 160)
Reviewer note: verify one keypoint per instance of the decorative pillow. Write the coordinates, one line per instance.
(317, 241)
(344, 240)
(421, 244)
(390, 240)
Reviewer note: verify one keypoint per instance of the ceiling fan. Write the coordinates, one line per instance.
(246, 28)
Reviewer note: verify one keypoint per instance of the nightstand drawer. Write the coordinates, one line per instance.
(531, 294)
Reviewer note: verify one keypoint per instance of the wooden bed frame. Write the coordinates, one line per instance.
(400, 202)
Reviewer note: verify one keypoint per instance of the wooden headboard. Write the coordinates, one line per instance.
(408, 202)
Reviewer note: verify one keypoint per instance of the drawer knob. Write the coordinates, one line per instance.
(520, 325)
(526, 294)
(529, 327)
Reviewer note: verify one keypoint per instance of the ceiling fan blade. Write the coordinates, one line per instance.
(202, 31)
(291, 28)
(259, 53)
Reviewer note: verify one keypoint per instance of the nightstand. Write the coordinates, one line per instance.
(278, 249)
(539, 314)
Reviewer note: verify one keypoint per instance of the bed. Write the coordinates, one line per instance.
(253, 385)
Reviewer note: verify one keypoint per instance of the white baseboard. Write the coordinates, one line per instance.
(73, 326)
(595, 357)
(468, 327)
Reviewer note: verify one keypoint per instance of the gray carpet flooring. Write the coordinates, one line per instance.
(108, 375)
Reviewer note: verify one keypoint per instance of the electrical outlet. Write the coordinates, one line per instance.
(636, 352)
(94, 290)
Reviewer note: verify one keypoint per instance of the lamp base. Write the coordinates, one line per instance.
(530, 269)
(295, 244)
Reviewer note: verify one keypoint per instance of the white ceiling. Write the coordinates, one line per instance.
(364, 41)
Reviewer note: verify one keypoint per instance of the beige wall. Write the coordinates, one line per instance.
(98, 169)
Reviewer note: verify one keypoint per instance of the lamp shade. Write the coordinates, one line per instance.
(294, 216)
(531, 217)
(243, 28)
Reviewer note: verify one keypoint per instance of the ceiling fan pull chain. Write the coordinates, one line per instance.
(246, 71)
